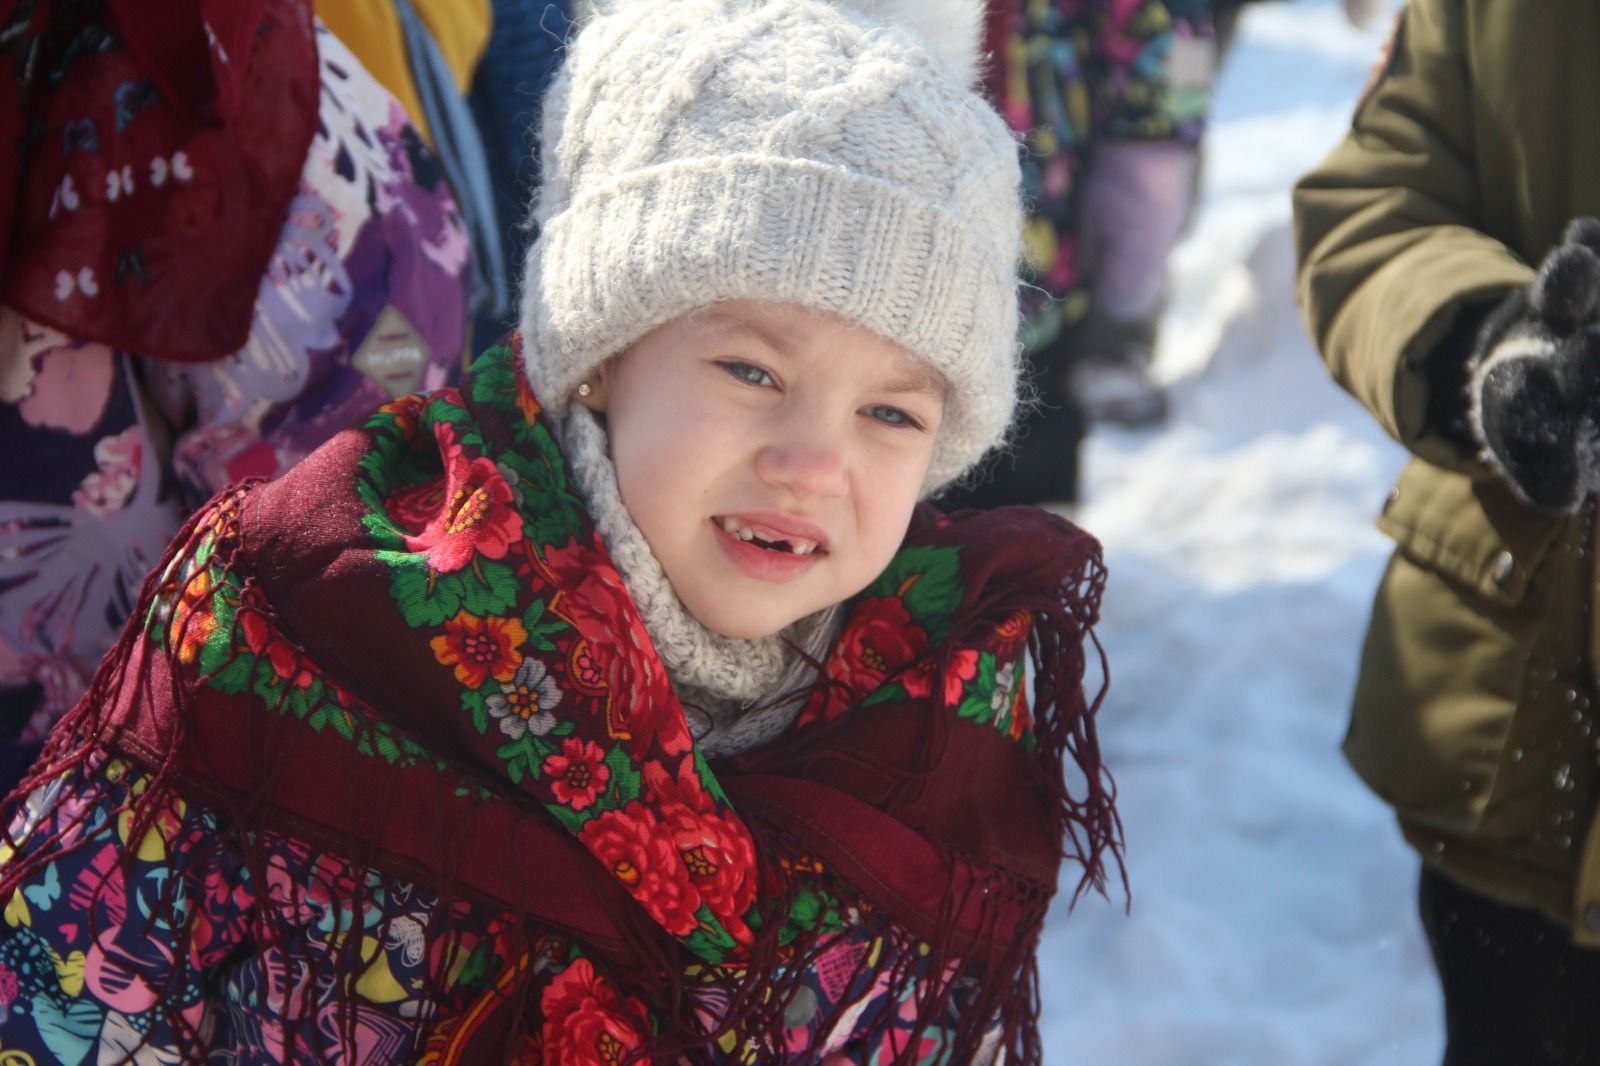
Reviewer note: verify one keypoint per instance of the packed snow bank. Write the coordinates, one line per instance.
(1273, 907)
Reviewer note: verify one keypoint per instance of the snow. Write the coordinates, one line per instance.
(1273, 905)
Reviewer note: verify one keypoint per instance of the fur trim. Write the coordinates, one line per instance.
(1532, 437)
(1567, 292)
(1523, 346)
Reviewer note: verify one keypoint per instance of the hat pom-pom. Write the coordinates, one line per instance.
(951, 29)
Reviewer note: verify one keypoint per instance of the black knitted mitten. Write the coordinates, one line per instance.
(1533, 381)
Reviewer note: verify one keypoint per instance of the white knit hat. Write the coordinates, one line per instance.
(822, 153)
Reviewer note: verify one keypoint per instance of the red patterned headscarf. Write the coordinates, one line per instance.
(148, 154)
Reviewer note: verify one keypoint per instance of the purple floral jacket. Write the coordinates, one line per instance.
(365, 299)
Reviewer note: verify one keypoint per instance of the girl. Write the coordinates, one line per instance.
(622, 705)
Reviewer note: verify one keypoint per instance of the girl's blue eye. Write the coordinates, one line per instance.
(748, 373)
(892, 416)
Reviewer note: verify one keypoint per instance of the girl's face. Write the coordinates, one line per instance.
(770, 455)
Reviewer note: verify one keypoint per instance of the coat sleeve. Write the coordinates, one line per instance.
(1388, 234)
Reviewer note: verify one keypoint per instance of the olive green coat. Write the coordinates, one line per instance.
(1475, 714)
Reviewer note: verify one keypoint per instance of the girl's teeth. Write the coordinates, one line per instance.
(734, 529)
(795, 545)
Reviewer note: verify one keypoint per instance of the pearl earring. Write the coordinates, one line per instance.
(584, 389)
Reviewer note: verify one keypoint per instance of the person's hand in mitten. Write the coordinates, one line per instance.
(1534, 378)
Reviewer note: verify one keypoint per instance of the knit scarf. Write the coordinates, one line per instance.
(414, 652)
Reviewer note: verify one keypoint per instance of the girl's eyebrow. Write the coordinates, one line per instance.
(920, 379)
(727, 327)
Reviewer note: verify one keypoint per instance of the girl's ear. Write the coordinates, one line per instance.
(591, 392)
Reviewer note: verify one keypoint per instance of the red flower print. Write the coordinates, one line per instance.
(1014, 627)
(961, 668)
(477, 517)
(413, 508)
(714, 844)
(578, 774)
(263, 639)
(480, 648)
(600, 609)
(638, 850)
(407, 410)
(192, 619)
(8, 986)
(878, 641)
(586, 1020)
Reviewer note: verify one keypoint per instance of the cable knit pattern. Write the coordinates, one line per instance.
(785, 150)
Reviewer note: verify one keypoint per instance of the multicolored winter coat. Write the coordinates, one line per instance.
(364, 299)
(1072, 74)
(386, 769)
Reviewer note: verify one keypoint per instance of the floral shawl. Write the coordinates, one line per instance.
(413, 652)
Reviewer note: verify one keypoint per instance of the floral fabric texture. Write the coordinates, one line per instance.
(417, 784)
(364, 299)
(1072, 74)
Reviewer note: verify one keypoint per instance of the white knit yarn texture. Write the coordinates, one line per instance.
(742, 670)
(798, 151)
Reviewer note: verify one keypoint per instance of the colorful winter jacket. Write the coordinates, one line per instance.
(364, 300)
(1475, 713)
(1072, 74)
(385, 768)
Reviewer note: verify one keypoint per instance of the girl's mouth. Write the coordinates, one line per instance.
(766, 554)
(766, 537)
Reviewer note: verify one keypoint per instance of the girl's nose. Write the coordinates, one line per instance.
(808, 467)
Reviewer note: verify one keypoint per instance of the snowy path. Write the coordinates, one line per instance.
(1273, 900)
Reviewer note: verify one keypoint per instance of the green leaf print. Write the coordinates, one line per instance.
(572, 821)
(893, 693)
(234, 677)
(265, 683)
(383, 532)
(494, 383)
(472, 702)
(927, 579)
(301, 701)
(539, 630)
(332, 714)
(444, 409)
(709, 779)
(625, 779)
(710, 941)
(427, 599)
(388, 750)
(488, 588)
(976, 708)
(218, 651)
(524, 756)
